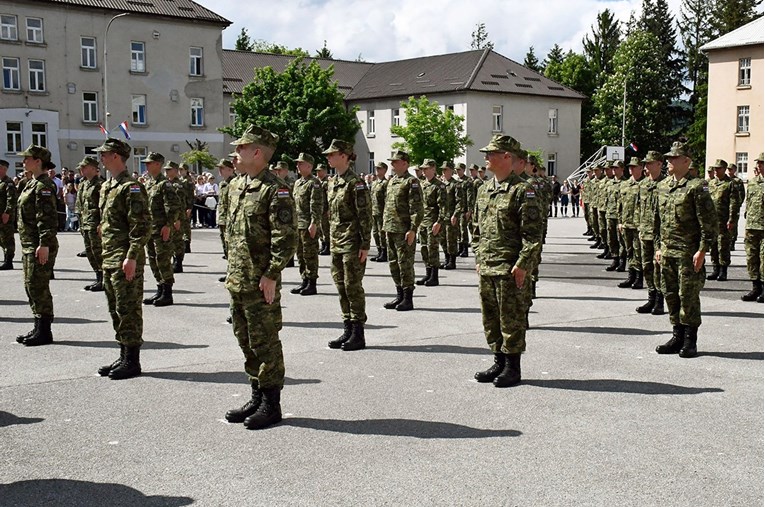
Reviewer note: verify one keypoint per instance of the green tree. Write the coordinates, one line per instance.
(695, 26)
(430, 132)
(302, 105)
(264, 46)
(480, 38)
(554, 57)
(199, 155)
(600, 46)
(531, 61)
(243, 42)
(324, 52)
(696, 132)
(727, 15)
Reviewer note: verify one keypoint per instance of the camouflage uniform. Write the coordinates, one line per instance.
(183, 241)
(740, 189)
(309, 202)
(434, 200)
(165, 209)
(727, 206)
(325, 215)
(648, 231)
(602, 192)
(8, 198)
(629, 199)
(379, 189)
(453, 209)
(222, 211)
(753, 241)
(88, 205)
(612, 216)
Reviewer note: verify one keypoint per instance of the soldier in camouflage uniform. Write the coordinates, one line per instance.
(172, 173)
(507, 232)
(226, 170)
(350, 219)
(379, 187)
(462, 188)
(534, 175)
(740, 189)
(648, 231)
(89, 207)
(189, 188)
(586, 182)
(687, 222)
(604, 184)
(38, 224)
(615, 240)
(262, 237)
(594, 190)
(125, 229)
(8, 198)
(629, 199)
(753, 236)
(309, 204)
(472, 192)
(433, 220)
(453, 210)
(727, 205)
(321, 173)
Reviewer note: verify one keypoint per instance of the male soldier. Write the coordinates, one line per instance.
(7, 216)
(379, 187)
(594, 190)
(612, 217)
(508, 230)
(738, 186)
(687, 221)
(89, 207)
(172, 173)
(586, 202)
(188, 194)
(629, 199)
(727, 205)
(472, 192)
(533, 174)
(433, 219)
(321, 173)
(453, 211)
(402, 216)
(226, 170)
(648, 231)
(309, 204)
(753, 236)
(125, 229)
(462, 188)
(262, 237)
(604, 184)
(165, 210)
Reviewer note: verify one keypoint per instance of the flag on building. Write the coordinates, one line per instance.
(124, 129)
(103, 130)
(634, 147)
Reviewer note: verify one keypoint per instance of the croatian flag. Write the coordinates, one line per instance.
(634, 147)
(124, 129)
(103, 130)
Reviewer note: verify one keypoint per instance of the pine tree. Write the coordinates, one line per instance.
(695, 26)
(531, 61)
(324, 52)
(727, 15)
(243, 42)
(480, 38)
(600, 47)
(554, 57)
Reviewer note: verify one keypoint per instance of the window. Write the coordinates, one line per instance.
(552, 121)
(139, 154)
(370, 123)
(496, 119)
(90, 107)
(11, 74)
(88, 52)
(742, 162)
(743, 119)
(449, 108)
(197, 112)
(13, 128)
(371, 162)
(396, 118)
(90, 150)
(36, 76)
(8, 28)
(139, 109)
(35, 30)
(231, 115)
(552, 165)
(745, 72)
(40, 134)
(137, 57)
(195, 61)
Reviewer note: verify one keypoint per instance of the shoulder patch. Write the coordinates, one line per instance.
(415, 184)
(283, 192)
(530, 193)
(45, 192)
(361, 186)
(316, 184)
(135, 188)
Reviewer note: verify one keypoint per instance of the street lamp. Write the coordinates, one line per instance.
(105, 79)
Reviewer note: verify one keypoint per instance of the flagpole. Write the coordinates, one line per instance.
(624, 111)
(105, 79)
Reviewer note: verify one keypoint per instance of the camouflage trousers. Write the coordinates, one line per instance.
(463, 223)
(37, 282)
(651, 268)
(186, 228)
(734, 235)
(325, 228)
(503, 309)
(587, 219)
(449, 237)
(603, 226)
(256, 327)
(615, 241)
(720, 250)
(179, 238)
(632, 248)
(400, 259)
(124, 301)
(92, 248)
(7, 240)
(160, 254)
(753, 243)
(348, 275)
(681, 287)
(308, 254)
(223, 243)
(377, 232)
(594, 223)
(429, 246)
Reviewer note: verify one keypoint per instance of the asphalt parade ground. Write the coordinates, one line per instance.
(599, 420)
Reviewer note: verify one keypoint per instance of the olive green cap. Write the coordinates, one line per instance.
(88, 161)
(112, 145)
(257, 135)
(720, 163)
(733, 166)
(617, 163)
(474, 167)
(381, 165)
(447, 165)
(37, 152)
(170, 166)
(224, 162)
(482, 168)
(678, 149)
(153, 156)
(399, 155)
(634, 161)
(759, 157)
(281, 165)
(653, 156)
(532, 159)
(184, 166)
(428, 162)
(320, 167)
(461, 166)
(503, 143)
(305, 157)
(339, 145)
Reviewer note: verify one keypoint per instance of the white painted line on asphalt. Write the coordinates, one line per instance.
(114, 442)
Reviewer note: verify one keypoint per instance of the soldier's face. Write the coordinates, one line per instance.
(429, 172)
(153, 168)
(758, 168)
(399, 166)
(448, 173)
(304, 168)
(381, 172)
(731, 172)
(636, 171)
(678, 166)
(719, 172)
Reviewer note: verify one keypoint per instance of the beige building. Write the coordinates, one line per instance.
(734, 110)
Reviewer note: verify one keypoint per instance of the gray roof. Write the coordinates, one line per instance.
(184, 9)
(750, 34)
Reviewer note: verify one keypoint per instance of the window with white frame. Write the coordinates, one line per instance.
(90, 107)
(195, 61)
(40, 134)
(13, 138)
(139, 109)
(8, 28)
(231, 115)
(197, 112)
(742, 162)
(450, 107)
(35, 30)
(137, 56)
(552, 121)
(743, 119)
(11, 74)
(745, 71)
(370, 123)
(396, 119)
(496, 119)
(88, 52)
(552, 164)
(139, 154)
(371, 162)
(36, 75)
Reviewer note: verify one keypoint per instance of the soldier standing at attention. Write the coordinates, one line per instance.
(740, 189)
(508, 231)
(727, 205)
(309, 203)
(615, 240)
(321, 173)
(687, 221)
(88, 205)
(585, 187)
(262, 237)
(647, 231)
(453, 210)
(402, 218)
(462, 186)
(472, 191)
(172, 173)
(433, 219)
(226, 170)
(604, 184)
(379, 188)
(753, 236)
(189, 188)
(8, 198)
(38, 224)
(350, 219)
(629, 209)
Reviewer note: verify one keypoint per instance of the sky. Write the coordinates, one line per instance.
(381, 30)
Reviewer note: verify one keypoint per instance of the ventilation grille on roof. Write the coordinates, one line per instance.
(500, 76)
(523, 85)
(492, 83)
(559, 88)
(532, 78)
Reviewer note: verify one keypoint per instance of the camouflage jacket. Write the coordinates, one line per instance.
(584, 190)
(88, 203)
(612, 191)
(434, 201)
(648, 207)
(261, 232)
(629, 203)
(403, 204)
(726, 199)
(187, 196)
(309, 201)
(462, 196)
(740, 189)
(754, 204)
(686, 217)
(125, 220)
(222, 211)
(453, 202)
(350, 213)
(37, 218)
(596, 194)
(164, 205)
(507, 227)
(8, 198)
(379, 188)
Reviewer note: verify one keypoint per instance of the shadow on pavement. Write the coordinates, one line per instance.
(449, 310)
(219, 377)
(754, 356)
(438, 349)
(745, 315)
(65, 492)
(567, 277)
(56, 320)
(602, 330)
(203, 305)
(330, 325)
(637, 298)
(113, 344)
(398, 428)
(619, 386)
(13, 302)
(8, 419)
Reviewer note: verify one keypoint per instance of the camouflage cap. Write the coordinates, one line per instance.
(461, 166)
(224, 162)
(482, 169)
(92, 161)
(474, 167)
(320, 167)
(112, 145)
(678, 149)
(381, 165)
(447, 165)
(153, 156)
(305, 157)
(759, 157)
(524, 155)
(36, 152)
(428, 162)
(338, 145)
(634, 161)
(720, 163)
(532, 159)
(170, 165)
(503, 143)
(653, 156)
(399, 155)
(732, 165)
(617, 163)
(282, 165)
(4, 163)
(257, 135)
(184, 166)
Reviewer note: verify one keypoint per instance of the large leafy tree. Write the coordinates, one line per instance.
(302, 105)
(430, 132)
(600, 46)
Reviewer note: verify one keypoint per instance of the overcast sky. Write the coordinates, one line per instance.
(398, 29)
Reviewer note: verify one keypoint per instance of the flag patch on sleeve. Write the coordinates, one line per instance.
(360, 186)
(530, 194)
(135, 189)
(283, 192)
(45, 192)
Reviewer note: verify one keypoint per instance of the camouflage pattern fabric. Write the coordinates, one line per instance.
(379, 188)
(450, 237)
(727, 206)
(221, 213)
(165, 208)
(503, 310)
(88, 206)
(124, 302)
(8, 198)
(434, 202)
(403, 212)
(740, 189)
(348, 275)
(753, 239)
(309, 203)
(308, 254)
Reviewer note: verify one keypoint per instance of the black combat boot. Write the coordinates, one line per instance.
(269, 411)
(356, 341)
(166, 298)
(82, 254)
(383, 257)
(723, 276)
(406, 304)
(222, 279)
(493, 371)
(753, 294)
(310, 289)
(43, 336)
(675, 343)
(592, 238)
(614, 264)
(646, 308)
(347, 330)
(106, 369)
(622, 267)
(638, 280)
(464, 251)
(155, 296)
(7, 263)
(238, 415)
(629, 281)
(451, 263)
(605, 254)
(595, 245)
(178, 263)
(511, 373)
(715, 273)
(187, 246)
(130, 367)
(433, 280)
(99, 285)
(20, 338)
(533, 289)
(658, 307)
(759, 298)
(428, 273)
(390, 305)
(689, 343)
(299, 288)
